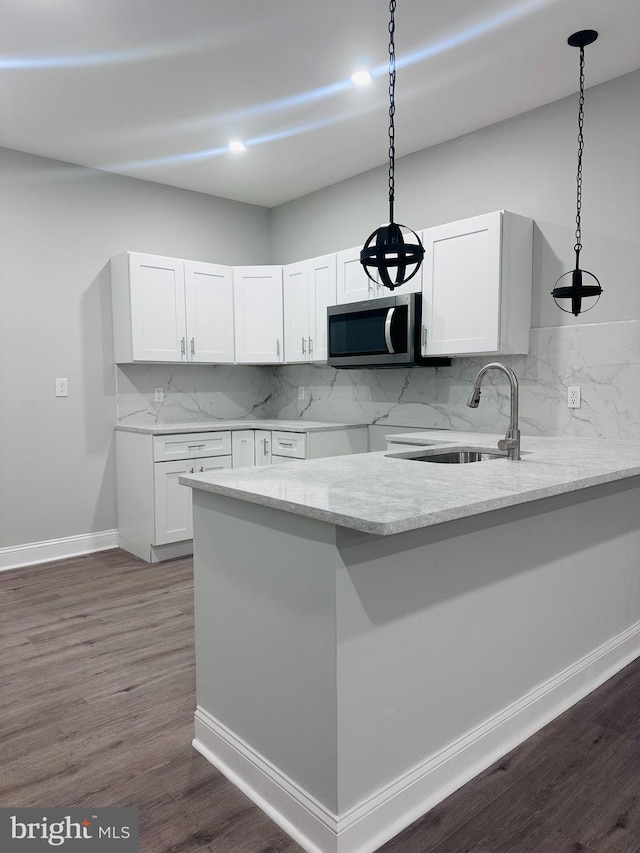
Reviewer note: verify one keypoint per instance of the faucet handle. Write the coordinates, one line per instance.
(511, 443)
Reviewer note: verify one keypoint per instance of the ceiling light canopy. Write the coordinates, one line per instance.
(390, 255)
(237, 146)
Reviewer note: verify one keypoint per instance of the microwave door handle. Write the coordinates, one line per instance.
(387, 330)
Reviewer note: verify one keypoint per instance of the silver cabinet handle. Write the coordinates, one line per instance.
(310, 345)
(304, 344)
(183, 347)
(278, 347)
(201, 468)
(264, 440)
(424, 337)
(193, 347)
(192, 471)
(195, 446)
(387, 330)
(285, 443)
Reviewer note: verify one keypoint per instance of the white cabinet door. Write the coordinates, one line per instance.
(242, 442)
(353, 283)
(212, 463)
(258, 314)
(322, 294)
(172, 501)
(209, 311)
(158, 326)
(263, 447)
(296, 294)
(476, 295)
(461, 286)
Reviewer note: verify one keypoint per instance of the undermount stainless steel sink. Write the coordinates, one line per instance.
(458, 457)
(452, 456)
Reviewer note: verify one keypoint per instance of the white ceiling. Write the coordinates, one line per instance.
(157, 88)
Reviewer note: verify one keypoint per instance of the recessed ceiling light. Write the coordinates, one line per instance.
(237, 145)
(361, 78)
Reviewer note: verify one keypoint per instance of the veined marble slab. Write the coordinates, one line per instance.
(382, 495)
(219, 426)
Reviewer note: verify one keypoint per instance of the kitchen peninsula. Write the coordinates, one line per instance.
(399, 625)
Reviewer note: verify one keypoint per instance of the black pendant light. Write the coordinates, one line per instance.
(584, 284)
(386, 251)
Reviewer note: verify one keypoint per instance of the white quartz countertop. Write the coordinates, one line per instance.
(218, 426)
(378, 494)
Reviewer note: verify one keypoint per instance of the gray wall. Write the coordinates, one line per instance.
(526, 165)
(59, 225)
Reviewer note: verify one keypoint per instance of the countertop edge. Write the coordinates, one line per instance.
(222, 426)
(429, 519)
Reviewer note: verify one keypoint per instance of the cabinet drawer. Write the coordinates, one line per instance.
(293, 444)
(191, 445)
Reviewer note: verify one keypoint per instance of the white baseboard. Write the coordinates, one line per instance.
(56, 549)
(370, 823)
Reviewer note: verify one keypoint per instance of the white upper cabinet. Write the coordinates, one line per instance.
(476, 286)
(296, 311)
(353, 283)
(259, 324)
(309, 289)
(209, 306)
(170, 310)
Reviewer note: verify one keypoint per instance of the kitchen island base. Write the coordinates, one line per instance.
(348, 682)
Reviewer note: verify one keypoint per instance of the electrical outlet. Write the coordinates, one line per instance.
(300, 392)
(62, 388)
(158, 395)
(573, 397)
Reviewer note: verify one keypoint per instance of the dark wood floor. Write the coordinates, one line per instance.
(96, 708)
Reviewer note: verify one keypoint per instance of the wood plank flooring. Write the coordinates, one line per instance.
(96, 708)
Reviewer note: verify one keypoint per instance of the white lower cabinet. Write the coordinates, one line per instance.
(172, 501)
(263, 447)
(243, 448)
(154, 509)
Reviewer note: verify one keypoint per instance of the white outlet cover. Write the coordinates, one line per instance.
(574, 397)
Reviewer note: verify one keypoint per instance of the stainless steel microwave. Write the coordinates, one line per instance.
(378, 333)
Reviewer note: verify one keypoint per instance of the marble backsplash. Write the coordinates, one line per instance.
(192, 393)
(602, 358)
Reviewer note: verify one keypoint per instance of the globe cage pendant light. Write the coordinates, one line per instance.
(578, 289)
(386, 251)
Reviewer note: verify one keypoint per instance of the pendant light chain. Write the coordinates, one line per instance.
(578, 245)
(389, 256)
(583, 284)
(392, 107)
